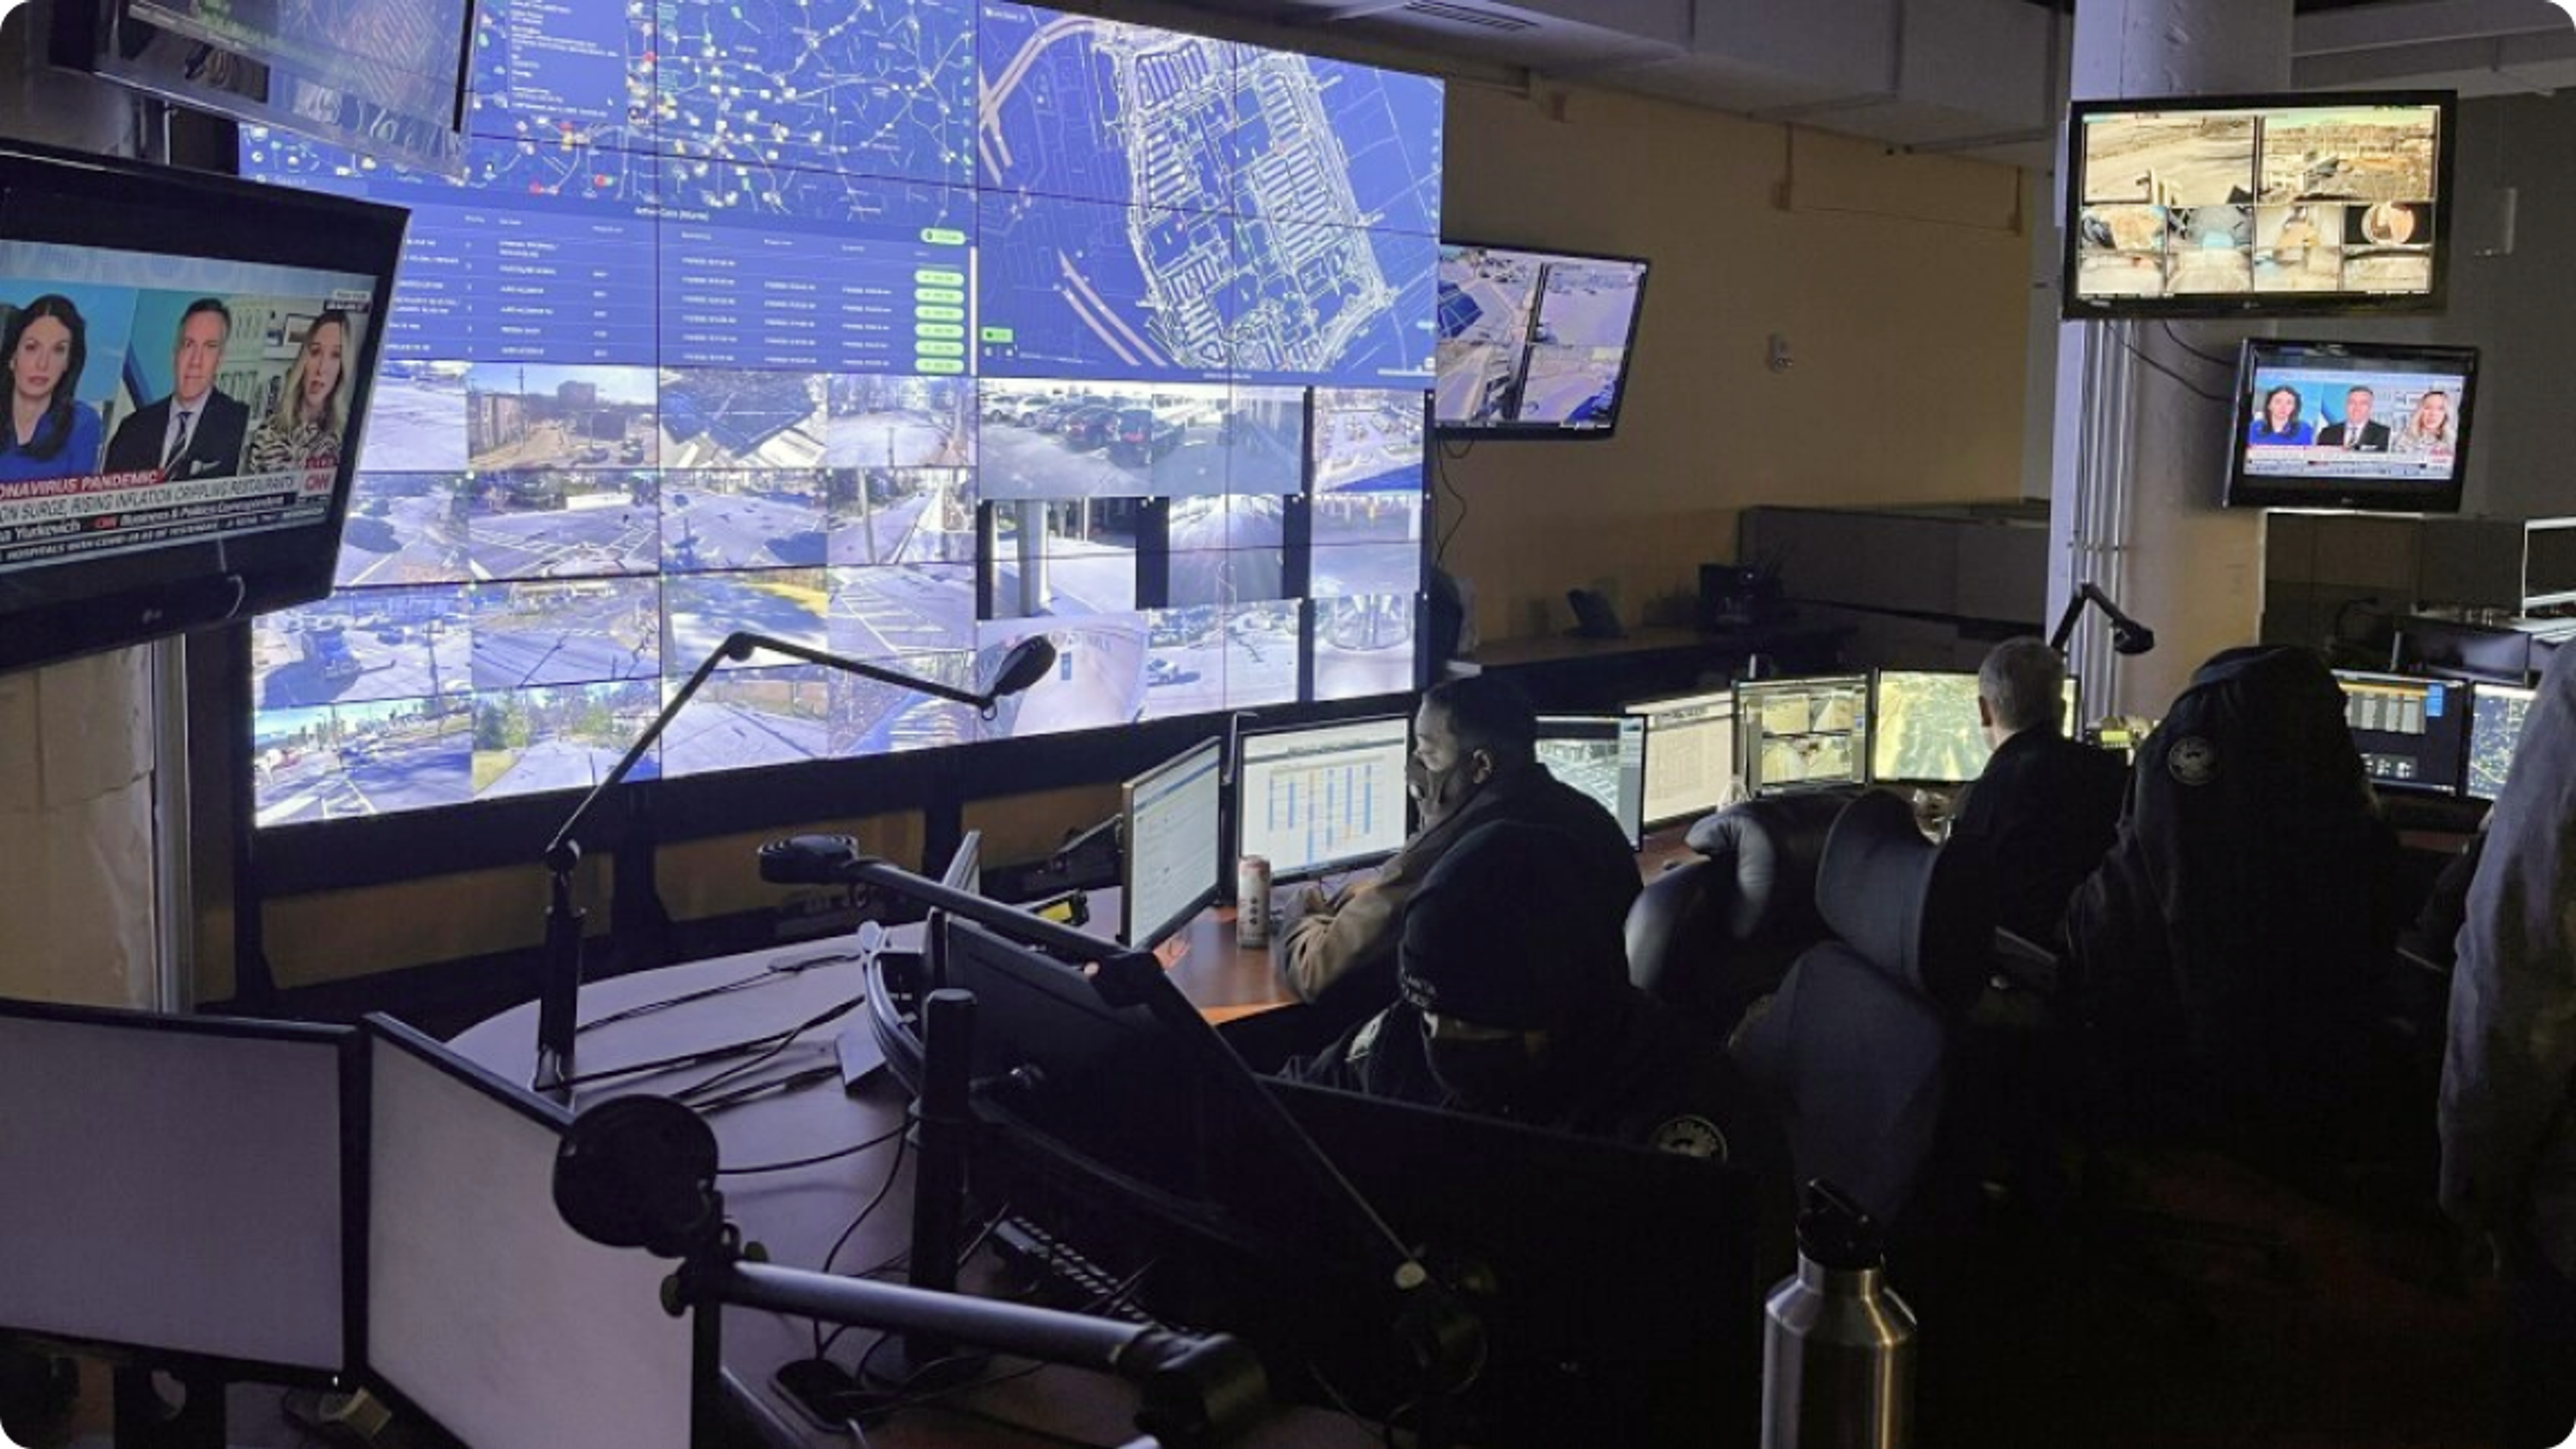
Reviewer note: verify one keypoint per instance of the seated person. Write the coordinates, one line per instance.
(1475, 760)
(2226, 956)
(1516, 1004)
(2047, 807)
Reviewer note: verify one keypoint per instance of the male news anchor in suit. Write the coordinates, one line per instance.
(195, 432)
(2356, 432)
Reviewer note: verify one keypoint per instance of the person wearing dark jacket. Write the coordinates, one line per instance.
(2226, 954)
(2508, 1104)
(1475, 761)
(1515, 1004)
(2046, 808)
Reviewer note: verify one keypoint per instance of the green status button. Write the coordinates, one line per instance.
(940, 314)
(941, 365)
(943, 236)
(998, 334)
(937, 329)
(939, 349)
(949, 295)
(938, 277)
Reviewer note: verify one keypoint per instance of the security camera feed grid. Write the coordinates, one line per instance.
(2327, 199)
(645, 388)
(1802, 733)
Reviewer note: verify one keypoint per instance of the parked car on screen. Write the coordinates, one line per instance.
(1140, 435)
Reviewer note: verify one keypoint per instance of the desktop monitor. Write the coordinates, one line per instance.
(165, 487)
(2449, 649)
(181, 1186)
(484, 1310)
(1533, 343)
(2412, 733)
(1925, 728)
(1690, 755)
(1802, 734)
(2258, 206)
(2496, 714)
(1174, 831)
(1604, 756)
(2351, 425)
(1321, 798)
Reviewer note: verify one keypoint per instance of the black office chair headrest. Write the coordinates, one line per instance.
(1921, 915)
(1770, 848)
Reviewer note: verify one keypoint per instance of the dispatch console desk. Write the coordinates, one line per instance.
(796, 1216)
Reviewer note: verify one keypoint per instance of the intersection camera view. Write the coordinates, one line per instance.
(1532, 341)
(956, 322)
(1798, 734)
(2190, 203)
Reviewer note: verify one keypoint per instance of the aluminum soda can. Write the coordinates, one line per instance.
(1252, 901)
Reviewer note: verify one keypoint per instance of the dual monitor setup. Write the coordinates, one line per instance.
(1313, 800)
(321, 1205)
(2435, 736)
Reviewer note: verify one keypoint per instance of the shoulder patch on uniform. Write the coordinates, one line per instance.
(1691, 1136)
(2193, 760)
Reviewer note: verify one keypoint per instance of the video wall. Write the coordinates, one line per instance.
(907, 337)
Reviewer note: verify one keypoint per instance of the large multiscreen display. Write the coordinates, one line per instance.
(1534, 343)
(909, 338)
(2232, 206)
(2336, 425)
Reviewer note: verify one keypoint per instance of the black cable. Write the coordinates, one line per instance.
(894, 1169)
(1440, 470)
(765, 1042)
(835, 1155)
(2176, 339)
(760, 977)
(807, 1077)
(2185, 383)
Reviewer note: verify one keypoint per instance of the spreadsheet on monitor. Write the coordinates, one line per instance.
(1690, 755)
(1331, 795)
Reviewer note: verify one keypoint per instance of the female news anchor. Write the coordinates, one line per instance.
(51, 433)
(303, 430)
(2280, 426)
(2429, 429)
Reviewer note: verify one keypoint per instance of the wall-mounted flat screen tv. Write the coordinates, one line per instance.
(2345, 425)
(189, 360)
(2258, 205)
(1532, 343)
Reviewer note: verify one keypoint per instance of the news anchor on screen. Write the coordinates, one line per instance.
(303, 431)
(2429, 430)
(195, 432)
(2356, 433)
(52, 433)
(2280, 425)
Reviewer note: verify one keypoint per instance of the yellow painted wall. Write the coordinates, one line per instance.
(1900, 283)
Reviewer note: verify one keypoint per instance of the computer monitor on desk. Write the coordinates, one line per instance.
(2496, 716)
(1802, 734)
(1174, 861)
(1604, 756)
(2412, 733)
(1322, 798)
(1690, 755)
(1924, 726)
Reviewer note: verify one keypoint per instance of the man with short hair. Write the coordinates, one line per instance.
(1475, 761)
(2356, 433)
(1514, 1003)
(197, 431)
(2046, 808)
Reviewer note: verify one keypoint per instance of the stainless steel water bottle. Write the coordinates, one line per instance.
(1837, 1343)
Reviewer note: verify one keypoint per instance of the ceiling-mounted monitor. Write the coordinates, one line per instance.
(2351, 425)
(192, 359)
(2236, 206)
(1533, 344)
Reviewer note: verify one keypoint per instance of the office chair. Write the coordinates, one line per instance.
(1714, 935)
(1854, 1052)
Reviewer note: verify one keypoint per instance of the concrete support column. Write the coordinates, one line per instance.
(2139, 460)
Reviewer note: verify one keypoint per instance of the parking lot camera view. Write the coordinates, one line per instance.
(905, 338)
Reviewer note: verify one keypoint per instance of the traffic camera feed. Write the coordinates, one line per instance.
(955, 322)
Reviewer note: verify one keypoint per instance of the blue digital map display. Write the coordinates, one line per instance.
(1176, 257)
